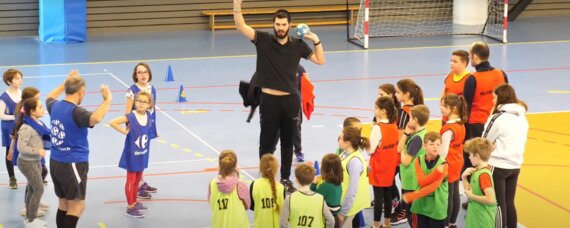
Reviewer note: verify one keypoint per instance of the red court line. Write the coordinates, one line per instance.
(354, 79)
(548, 131)
(206, 170)
(158, 200)
(544, 198)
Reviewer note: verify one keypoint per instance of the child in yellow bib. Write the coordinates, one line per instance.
(266, 194)
(355, 187)
(228, 196)
(305, 208)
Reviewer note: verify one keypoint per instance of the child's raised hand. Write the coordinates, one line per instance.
(468, 172)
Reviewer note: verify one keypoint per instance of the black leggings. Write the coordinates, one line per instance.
(382, 195)
(453, 203)
(9, 165)
(505, 181)
(422, 221)
(279, 119)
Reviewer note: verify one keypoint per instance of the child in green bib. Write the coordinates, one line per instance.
(305, 208)
(478, 184)
(410, 146)
(430, 200)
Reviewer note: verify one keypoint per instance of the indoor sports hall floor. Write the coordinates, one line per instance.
(210, 65)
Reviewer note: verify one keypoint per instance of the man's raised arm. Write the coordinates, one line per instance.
(241, 26)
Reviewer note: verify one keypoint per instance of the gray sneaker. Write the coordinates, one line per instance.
(134, 212)
(139, 206)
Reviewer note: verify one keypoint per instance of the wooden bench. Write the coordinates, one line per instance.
(269, 11)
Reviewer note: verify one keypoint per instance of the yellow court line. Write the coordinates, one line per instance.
(174, 145)
(559, 91)
(187, 150)
(100, 224)
(162, 141)
(431, 99)
(199, 155)
(253, 55)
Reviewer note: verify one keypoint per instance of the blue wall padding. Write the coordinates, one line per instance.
(63, 21)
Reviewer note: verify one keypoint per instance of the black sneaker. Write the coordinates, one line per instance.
(288, 185)
(13, 183)
(44, 174)
(399, 218)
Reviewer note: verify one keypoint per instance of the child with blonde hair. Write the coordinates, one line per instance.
(228, 196)
(266, 194)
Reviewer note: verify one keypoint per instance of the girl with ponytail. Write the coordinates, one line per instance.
(267, 195)
(409, 94)
(228, 196)
(454, 108)
(32, 135)
(355, 188)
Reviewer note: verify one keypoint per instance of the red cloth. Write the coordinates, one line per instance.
(383, 161)
(485, 181)
(307, 96)
(455, 153)
(132, 187)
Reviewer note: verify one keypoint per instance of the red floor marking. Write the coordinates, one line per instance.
(544, 198)
(547, 131)
(158, 200)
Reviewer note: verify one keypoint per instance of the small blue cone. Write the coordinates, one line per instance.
(169, 76)
(181, 95)
(317, 168)
(361, 216)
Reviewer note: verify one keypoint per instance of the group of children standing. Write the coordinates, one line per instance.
(27, 138)
(476, 108)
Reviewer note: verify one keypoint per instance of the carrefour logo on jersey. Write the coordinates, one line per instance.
(57, 132)
(142, 142)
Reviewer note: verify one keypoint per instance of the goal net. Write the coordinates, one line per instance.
(396, 18)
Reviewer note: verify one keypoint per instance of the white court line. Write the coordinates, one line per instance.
(181, 125)
(253, 55)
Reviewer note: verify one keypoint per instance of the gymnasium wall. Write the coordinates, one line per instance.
(20, 17)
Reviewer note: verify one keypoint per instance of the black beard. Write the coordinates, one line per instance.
(279, 36)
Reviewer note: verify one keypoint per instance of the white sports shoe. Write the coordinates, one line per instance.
(37, 223)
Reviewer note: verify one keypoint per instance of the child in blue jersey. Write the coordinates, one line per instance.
(142, 76)
(8, 100)
(136, 151)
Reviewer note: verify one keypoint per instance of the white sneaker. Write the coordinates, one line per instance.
(40, 213)
(37, 223)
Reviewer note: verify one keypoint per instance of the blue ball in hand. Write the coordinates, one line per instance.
(301, 30)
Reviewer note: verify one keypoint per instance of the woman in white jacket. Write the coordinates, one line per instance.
(507, 128)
